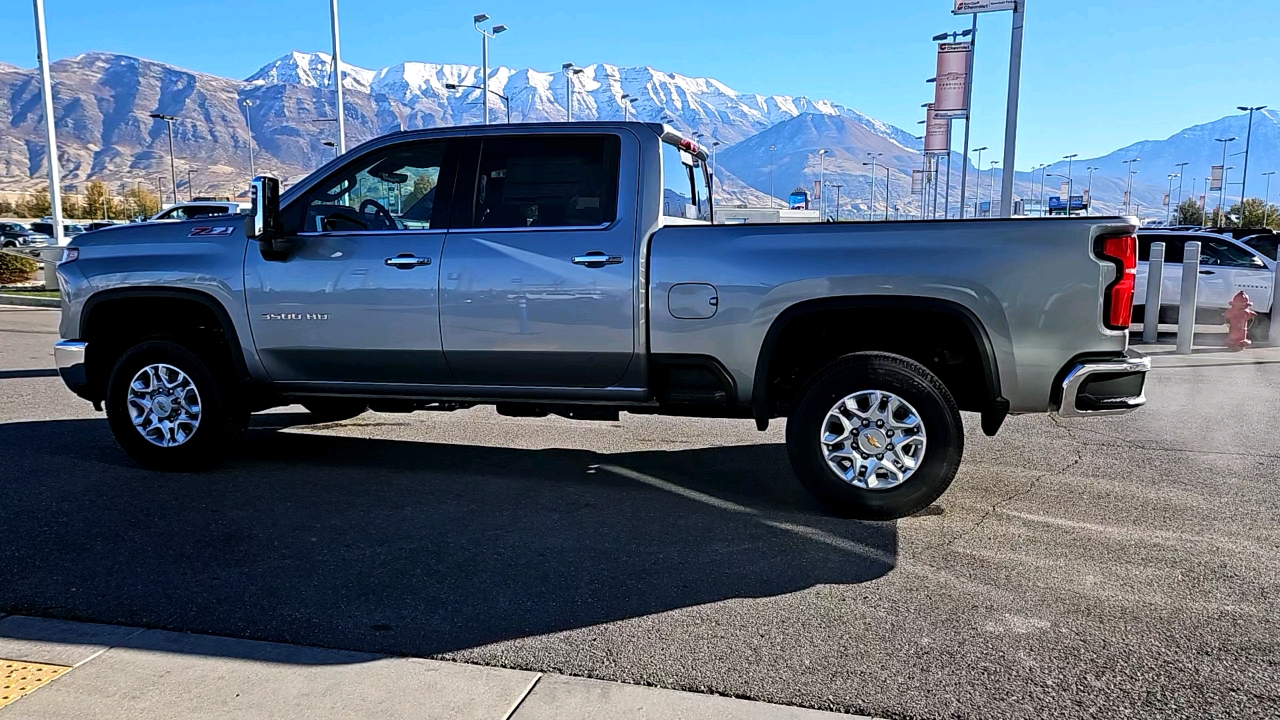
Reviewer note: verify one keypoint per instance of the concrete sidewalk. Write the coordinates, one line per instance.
(114, 672)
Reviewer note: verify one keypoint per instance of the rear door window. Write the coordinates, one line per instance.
(1224, 254)
(545, 181)
(1173, 245)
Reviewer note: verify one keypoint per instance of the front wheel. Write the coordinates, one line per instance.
(875, 436)
(169, 410)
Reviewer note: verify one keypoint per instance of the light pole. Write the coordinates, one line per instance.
(625, 100)
(1069, 159)
(191, 197)
(569, 72)
(772, 160)
(1248, 135)
(1182, 170)
(822, 182)
(1128, 189)
(991, 210)
(506, 101)
(248, 121)
(1011, 113)
(873, 157)
(1168, 198)
(1069, 189)
(173, 167)
(337, 77)
(838, 187)
(1222, 188)
(55, 173)
(886, 195)
(977, 187)
(1266, 202)
(1088, 189)
(485, 37)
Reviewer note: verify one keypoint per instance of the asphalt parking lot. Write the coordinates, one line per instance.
(1125, 567)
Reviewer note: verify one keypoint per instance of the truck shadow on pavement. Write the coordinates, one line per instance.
(406, 547)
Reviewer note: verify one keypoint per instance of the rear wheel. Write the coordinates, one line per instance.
(171, 410)
(875, 436)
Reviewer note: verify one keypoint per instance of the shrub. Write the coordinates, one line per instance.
(15, 269)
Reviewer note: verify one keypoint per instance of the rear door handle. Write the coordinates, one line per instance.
(407, 261)
(597, 259)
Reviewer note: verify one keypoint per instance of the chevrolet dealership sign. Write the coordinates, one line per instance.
(969, 7)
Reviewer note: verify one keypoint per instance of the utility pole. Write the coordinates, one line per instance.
(1248, 135)
(51, 139)
(486, 36)
(337, 77)
(191, 196)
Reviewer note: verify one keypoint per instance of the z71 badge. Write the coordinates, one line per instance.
(212, 231)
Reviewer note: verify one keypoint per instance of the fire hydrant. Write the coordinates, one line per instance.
(1238, 317)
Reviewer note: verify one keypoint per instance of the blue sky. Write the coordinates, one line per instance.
(1097, 74)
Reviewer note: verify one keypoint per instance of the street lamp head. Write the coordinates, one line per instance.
(329, 143)
(1072, 156)
(1226, 140)
(941, 36)
(499, 29)
(773, 147)
(824, 151)
(1246, 108)
(479, 18)
(450, 86)
(162, 116)
(566, 66)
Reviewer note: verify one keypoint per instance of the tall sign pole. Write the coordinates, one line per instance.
(1007, 172)
(337, 78)
(46, 87)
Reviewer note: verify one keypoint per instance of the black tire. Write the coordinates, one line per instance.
(911, 382)
(335, 409)
(220, 420)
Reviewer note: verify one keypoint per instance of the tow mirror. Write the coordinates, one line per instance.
(263, 223)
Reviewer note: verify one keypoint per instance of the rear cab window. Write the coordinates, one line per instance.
(686, 197)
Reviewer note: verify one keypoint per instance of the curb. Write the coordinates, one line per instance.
(19, 300)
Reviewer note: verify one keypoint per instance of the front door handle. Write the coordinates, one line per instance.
(1207, 272)
(597, 259)
(407, 261)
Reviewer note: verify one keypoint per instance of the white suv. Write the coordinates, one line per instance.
(1227, 266)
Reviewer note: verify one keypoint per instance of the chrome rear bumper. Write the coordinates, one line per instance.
(1108, 387)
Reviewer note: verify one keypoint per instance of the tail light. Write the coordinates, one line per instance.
(1117, 299)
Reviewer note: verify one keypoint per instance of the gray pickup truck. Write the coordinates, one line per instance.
(576, 270)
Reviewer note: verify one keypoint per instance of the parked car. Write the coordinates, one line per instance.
(540, 273)
(69, 230)
(1227, 266)
(1264, 244)
(1238, 233)
(191, 211)
(14, 234)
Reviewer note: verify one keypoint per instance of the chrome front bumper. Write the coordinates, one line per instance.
(1109, 387)
(68, 355)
